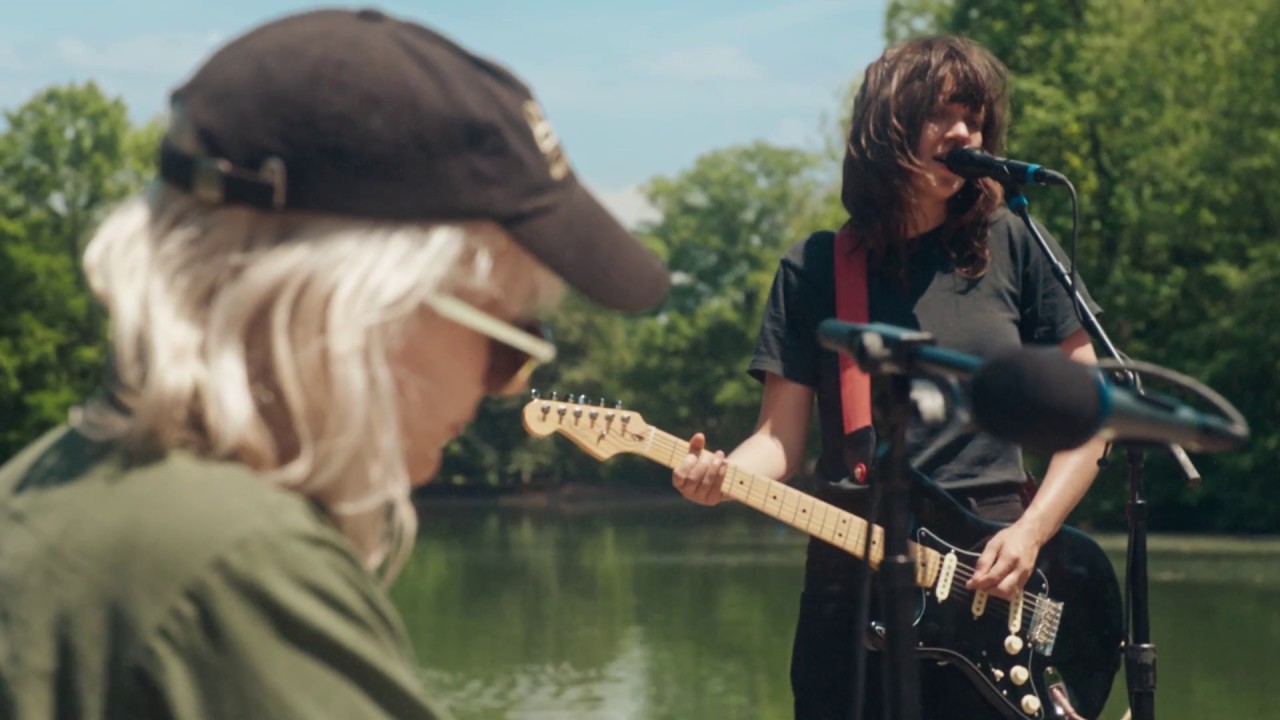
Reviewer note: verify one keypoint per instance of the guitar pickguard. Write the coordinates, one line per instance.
(973, 633)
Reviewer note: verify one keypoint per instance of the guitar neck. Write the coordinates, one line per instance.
(803, 512)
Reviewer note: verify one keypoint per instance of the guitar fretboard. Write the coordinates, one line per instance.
(803, 512)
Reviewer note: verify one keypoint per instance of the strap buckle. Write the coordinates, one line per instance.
(208, 179)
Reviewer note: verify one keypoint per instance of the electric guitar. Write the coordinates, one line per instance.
(1051, 651)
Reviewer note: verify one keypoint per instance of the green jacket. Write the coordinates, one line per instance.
(184, 588)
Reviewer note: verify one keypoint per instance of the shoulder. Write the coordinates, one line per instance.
(1010, 242)
(1003, 220)
(1005, 228)
(134, 536)
(808, 266)
(197, 512)
(212, 499)
(811, 254)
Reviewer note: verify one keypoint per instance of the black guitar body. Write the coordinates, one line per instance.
(1067, 644)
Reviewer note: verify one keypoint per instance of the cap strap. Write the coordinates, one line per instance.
(217, 182)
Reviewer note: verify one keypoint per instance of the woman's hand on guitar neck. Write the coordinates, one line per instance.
(701, 473)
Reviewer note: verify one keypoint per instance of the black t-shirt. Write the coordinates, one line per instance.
(1016, 302)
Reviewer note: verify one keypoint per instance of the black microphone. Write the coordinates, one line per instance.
(1043, 400)
(881, 348)
(972, 163)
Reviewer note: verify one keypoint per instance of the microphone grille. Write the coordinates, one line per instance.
(967, 163)
(1038, 398)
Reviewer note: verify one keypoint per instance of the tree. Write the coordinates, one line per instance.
(725, 222)
(68, 154)
(1161, 114)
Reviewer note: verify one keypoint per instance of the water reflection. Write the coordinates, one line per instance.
(679, 612)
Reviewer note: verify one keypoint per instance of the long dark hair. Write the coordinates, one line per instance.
(898, 93)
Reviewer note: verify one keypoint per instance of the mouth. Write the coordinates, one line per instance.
(941, 160)
(942, 165)
(942, 156)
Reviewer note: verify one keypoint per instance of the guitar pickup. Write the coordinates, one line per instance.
(1044, 625)
(946, 577)
(979, 604)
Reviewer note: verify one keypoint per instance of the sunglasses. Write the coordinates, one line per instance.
(514, 351)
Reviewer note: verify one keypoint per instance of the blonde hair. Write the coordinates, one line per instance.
(265, 338)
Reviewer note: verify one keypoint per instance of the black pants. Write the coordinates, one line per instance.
(822, 675)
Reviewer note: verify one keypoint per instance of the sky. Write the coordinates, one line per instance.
(634, 88)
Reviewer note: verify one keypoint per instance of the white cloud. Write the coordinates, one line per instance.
(629, 205)
(709, 62)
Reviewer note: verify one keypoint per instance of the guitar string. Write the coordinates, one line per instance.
(963, 571)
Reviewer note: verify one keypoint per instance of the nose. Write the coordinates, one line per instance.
(960, 131)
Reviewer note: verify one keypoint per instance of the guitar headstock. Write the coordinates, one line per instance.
(601, 431)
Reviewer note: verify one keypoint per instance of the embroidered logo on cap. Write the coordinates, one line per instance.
(545, 136)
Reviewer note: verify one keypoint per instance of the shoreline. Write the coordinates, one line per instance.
(583, 499)
(575, 498)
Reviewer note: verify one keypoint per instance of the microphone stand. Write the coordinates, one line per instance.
(895, 358)
(1139, 651)
(901, 678)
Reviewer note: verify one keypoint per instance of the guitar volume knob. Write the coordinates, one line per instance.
(1019, 675)
(1013, 644)
(1031, 704)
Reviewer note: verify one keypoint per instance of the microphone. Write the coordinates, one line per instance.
(881, 348)
(972, 163)
(1043, 400)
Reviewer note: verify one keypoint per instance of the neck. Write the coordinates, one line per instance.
(926, 217)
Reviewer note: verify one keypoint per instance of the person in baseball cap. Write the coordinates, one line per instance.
(356, 226)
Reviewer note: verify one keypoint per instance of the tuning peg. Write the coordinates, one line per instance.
(602, 403)
(553, 396)
(617, 405)
(534, 394)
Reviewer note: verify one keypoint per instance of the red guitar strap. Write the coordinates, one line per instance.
(852, 306)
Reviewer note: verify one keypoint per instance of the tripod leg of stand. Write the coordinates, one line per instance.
(898, 568)
(1139, 652)
(1140, 673)
(903, 691)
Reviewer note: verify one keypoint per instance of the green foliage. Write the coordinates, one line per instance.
(1162, 113)
(68, 154)
(725, 222)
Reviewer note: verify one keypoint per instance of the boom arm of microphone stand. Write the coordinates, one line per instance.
(1018, 203)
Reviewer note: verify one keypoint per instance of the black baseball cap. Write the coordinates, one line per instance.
(358, 113)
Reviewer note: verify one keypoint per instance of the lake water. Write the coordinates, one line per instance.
(676, 611)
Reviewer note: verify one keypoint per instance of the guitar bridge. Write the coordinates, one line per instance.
(1044, 625)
